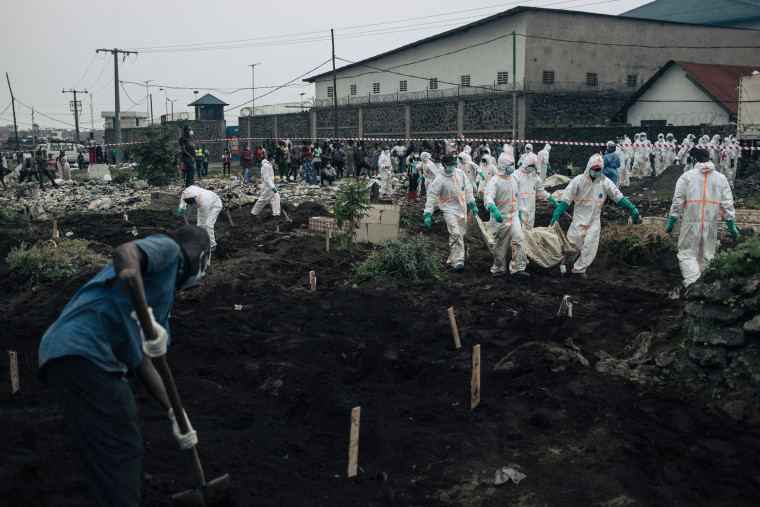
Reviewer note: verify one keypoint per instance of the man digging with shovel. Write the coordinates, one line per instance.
(97, 346)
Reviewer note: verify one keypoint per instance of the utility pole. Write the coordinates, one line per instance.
(335, 85)
(92, 118)
(151, 109)
(117, 119)
(34, 131)
(76, 109)
(13, 104)
(147, 93)
(514, 86)
(253, 100)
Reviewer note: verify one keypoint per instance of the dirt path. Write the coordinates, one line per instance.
(270, 387)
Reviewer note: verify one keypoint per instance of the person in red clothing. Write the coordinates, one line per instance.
(258, 156)
(226, 162)
(245, 159)
(92, 144)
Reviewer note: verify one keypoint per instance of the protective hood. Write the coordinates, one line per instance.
(464, 157)
(547, 147)
(669, 137)
(530, 159)
(660, 136)
(425, 156)
(507, 149)
(506, 160)
(595, 160)
(643, 136)
(636, 137)
(704, 167)
(528, 148)
(716, 139)
(704, 140)
(468, 149)
(491, 160)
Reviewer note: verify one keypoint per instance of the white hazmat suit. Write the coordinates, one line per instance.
(452, 192)
(624, 174)
(469, 167)
(589, 196)
(531, 187)
(385, 169)
(543, 162)
(209, 206)
(659, 154)
(486, 171)
(702, 197)
(640, 166)
(268, 193)
(503, 192)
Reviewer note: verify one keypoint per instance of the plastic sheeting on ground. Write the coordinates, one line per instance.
(546, 246)
(556, 180)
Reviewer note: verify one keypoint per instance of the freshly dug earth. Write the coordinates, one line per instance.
(269, 388)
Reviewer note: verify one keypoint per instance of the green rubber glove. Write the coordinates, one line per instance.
(548, 168)
(427, 220)
(274, 190)
(483, 176)
(553, 201)
(181, 210)
(626, 204)
(671, 223)
(561, 208)
(519, 215)
(732, 229)
(420, 179)
(474, 207)
(495, 212)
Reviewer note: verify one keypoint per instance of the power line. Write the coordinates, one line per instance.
(101, 72)
(85, 72)
(218, 90)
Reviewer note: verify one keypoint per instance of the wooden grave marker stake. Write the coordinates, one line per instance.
(475, 384)
(14, 370)
(454, 329)
(313, 280)
(353, 445)
(230, 218)
(55, 228)
(278, 229)
(327, 240)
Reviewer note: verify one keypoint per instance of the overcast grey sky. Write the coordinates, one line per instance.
(49, 45)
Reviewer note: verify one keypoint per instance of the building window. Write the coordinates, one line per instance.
(375, 87)
(433, 83)
(137, 122)
(548, 77)
(592, 79)
(465, 80)
(402, 86)
(502, 78)
(330, 92)
(353, 89)
(633, 80)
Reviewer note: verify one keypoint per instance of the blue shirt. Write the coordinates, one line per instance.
(96, 323)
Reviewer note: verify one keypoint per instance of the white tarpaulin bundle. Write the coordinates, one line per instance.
(546, 246)
(556, 180)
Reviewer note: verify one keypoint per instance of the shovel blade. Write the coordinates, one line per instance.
(209, 494)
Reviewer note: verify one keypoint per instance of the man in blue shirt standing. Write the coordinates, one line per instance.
(94, 350)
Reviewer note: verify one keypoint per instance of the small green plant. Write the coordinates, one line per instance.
(753, 201)
(353, 201)
(747, 170)
(407, 257)
(734, 302)
(121, 176)
(156, 153)
(741, 260)
(684, 345)
(716, 393)
(702, 377)
(51, 261)
(23, 190)
(699, 321)
(629, 244)
(8, 215)
(411, 221)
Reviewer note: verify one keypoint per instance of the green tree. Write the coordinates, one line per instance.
(353, 201)
(156, 153)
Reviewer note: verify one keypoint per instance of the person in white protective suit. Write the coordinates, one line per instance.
(588, 191)
(543, 162)
(486, 171)
(268, 193)
(704, 142)
(702, 197)
(428, 173)
(465, 163)
(452, 191)
(209, 206)
(649, 152)
(659, 154)
(502, 200)
(728, 159)
(385, 169)
(621, 156)
(686, 145)
(640, 158)
(528, 149)
(670, 151)
(715, 149)
(507, 148)
(531, 187)
(624, 176)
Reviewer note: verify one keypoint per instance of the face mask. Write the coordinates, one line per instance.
(201, 271)
(510, 169)
(531, 169)
(387, 151)
(594, 174)
(190, 133)
(449, 170)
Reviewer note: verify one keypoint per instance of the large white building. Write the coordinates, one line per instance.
(554, 50)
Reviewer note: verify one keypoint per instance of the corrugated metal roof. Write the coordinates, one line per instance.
(208, 100)
(720, 81)
(697, 11)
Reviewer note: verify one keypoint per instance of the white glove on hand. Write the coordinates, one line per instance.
(189, 439)
(156, 347)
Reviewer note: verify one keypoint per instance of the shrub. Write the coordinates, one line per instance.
(8, 215)
(121, 176)
(747, 169)
(407, 257)
(353, 200)
(156, 154)
(51, 261)
(741, 260)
